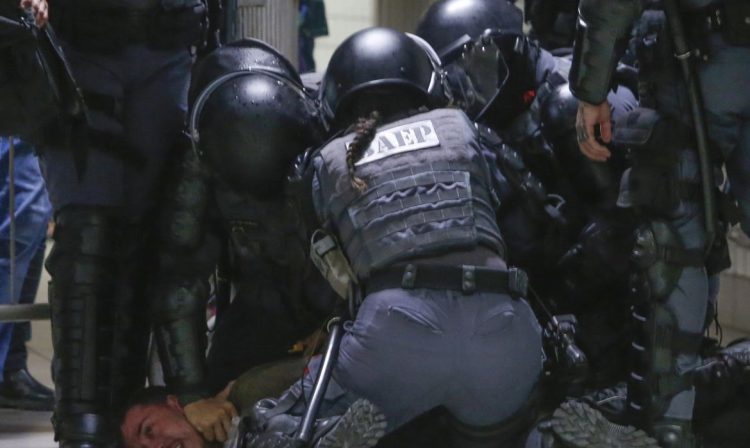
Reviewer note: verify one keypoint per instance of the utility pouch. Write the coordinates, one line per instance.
(737, 22)
(327, 256)
(653, 143)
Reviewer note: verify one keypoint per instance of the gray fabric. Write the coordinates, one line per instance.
(726, 92)
(480, 356)
(432, 198)
(150, 88)
(410, 351)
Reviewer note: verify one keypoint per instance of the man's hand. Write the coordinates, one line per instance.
(588, 116)
(212, 417)
(38, 8)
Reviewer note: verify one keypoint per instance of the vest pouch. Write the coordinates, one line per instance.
(327, 256)
(737, 22)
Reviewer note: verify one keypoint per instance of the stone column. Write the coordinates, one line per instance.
(273, 21)
(400, 14)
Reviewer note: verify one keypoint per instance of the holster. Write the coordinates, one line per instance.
(327, 255)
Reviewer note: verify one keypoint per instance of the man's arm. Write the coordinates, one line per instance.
(602, 29)
(212, 417)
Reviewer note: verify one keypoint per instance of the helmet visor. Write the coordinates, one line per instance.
(483, 72)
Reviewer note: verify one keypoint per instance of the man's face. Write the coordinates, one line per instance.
(159, 426)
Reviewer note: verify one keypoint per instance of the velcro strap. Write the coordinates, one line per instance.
(678, 256)
(467, 279)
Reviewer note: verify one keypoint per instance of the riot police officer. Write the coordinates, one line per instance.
(406, 189)
(132, 61)
(233, 209)
(559, 210)
(678, 223)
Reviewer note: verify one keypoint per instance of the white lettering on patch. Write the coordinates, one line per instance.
(409, 137)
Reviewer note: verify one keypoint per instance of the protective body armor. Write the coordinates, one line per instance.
(268, 240)
(428, 192)
(274, 296)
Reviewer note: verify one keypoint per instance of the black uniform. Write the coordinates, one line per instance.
(132, 61)
(238, 213)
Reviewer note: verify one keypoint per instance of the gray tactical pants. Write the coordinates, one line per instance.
(477, 355)
(148, 93)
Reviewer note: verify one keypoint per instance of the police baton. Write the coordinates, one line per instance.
(685, 57)
(307, 425)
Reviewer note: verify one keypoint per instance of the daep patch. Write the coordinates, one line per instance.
(409, 137)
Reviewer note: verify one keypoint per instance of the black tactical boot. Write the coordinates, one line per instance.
(19, 390)
(83, 266)
(578, 425)
(361, 426)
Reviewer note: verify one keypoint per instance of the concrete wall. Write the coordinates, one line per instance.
(734, 295)
(344, 18)
(347, 16)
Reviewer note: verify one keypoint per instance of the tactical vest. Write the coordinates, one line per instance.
(262, 234)
(428, 192)
(268, 244)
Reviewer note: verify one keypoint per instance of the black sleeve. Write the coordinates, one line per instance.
(603, 26)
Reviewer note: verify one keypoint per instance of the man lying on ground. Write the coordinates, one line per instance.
(155, 418)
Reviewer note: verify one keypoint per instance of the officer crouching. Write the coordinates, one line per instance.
(408, 194)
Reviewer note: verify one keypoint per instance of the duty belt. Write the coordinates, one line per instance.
(467, 279)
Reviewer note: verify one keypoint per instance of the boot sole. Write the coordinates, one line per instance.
(578, 425)
(361, 426)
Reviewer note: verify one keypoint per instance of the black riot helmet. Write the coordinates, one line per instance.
(489, 62)
(248, 125)
(238, 56)
(447, 21)
(382, 60)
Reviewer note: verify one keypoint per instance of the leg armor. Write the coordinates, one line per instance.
(180, 332)
(187, 257)
(130, 323)
(656, 378)
(83, 266)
